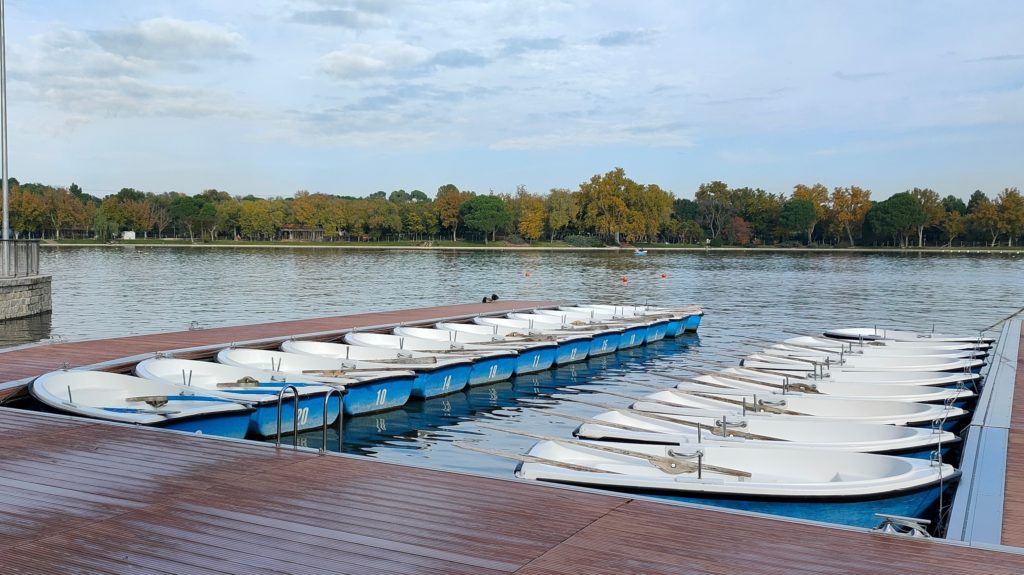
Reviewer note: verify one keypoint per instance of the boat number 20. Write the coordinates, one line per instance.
(303, 415)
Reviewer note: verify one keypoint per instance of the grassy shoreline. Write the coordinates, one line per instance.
(546, 246)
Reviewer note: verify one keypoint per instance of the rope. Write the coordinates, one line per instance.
(1005, 319)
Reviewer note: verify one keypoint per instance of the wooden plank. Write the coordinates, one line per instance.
(207, 505)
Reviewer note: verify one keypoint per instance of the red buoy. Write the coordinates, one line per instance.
(625, 279)
(527, 274)
(663, 276)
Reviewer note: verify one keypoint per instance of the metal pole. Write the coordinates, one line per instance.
(3, 124)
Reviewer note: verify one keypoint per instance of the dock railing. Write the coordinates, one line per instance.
(19, 258)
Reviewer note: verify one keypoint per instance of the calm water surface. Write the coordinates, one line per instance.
(749, 298)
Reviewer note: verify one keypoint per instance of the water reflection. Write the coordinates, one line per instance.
(25, 329)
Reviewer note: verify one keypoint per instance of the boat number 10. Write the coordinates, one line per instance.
(382, 396)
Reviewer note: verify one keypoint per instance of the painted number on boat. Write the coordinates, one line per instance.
(494, 371)
(632, 337)
(572, 355)
(447, 382)
(382, 396)
(604, 345)
(536, 360)
(303, 415)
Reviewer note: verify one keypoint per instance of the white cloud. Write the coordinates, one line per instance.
(171, 40)
(362, 60)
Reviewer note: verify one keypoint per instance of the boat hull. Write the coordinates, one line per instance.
(854, 511)
(675, 327)
(572, 351)
(604, 343)
(692, 323)
(492, 369)
(441, 381)
(656, 332)
(633, 337)
(535, 359)
(378, 395)
(230, 424)
(263, 421)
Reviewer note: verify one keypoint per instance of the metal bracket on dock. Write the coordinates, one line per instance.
(295, 416)
(906, 526)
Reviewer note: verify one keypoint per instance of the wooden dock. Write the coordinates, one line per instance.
(85, 496)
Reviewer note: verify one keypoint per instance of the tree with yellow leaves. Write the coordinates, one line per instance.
(848, 207)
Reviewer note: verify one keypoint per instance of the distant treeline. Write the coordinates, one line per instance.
(607, 209)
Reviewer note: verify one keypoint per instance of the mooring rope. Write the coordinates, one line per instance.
(1005, 319)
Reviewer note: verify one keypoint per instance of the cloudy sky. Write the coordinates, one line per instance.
(352, 96)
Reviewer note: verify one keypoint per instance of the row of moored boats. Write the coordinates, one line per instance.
(259, 392)
(837, 427)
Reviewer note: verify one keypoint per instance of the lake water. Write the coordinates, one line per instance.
(750, 298)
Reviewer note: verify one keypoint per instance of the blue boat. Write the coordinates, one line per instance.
(493, 367)
(815, 484)
(656, 331)
(693, 322)
(572, 349)
(605, 342)
(676, 327)
(379, 394)
(536, 357)
(633, 336)
(257, 388)
(128, 399)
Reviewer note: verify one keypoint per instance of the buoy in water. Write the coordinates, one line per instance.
(663, 276)
(625, 279)
(527, 274)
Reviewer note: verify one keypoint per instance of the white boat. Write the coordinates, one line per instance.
(254, 386)
(884, 345)
(130, 399)
(789, 406)
(436, 373)
(941, 378)
(367, 390)
(569, 347)
(639, 252)
(804, 483)
(491, 363)
(836, 354)
(873, 334)
(914, 393)
(807, 363)
(637, 426)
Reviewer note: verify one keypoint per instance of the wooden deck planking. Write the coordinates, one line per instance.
(77, 495)
(32, 361)
(1013, 502)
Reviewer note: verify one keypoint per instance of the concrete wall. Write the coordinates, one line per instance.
(24, 296)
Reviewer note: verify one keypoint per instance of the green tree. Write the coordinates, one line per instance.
(817, 195)
(486, 214)
(797, 215)
(952, 203)
(897, 217)
(603, 203)
(1010, 204)
(714, 201)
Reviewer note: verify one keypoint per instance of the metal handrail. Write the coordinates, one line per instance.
(341, 391)
(295, 416)
(19, 258)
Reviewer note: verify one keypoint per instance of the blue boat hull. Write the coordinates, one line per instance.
(633, 337)
(535, 359)
(492, 369)
(692, 323)
(656, 332)
(378, 395)
(263, 421)
(572, 351)
(675, 327)
(604, 343)
(857, 513)
(441, 381)
(233, 424)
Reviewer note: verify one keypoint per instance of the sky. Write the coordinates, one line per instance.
(347, 97)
